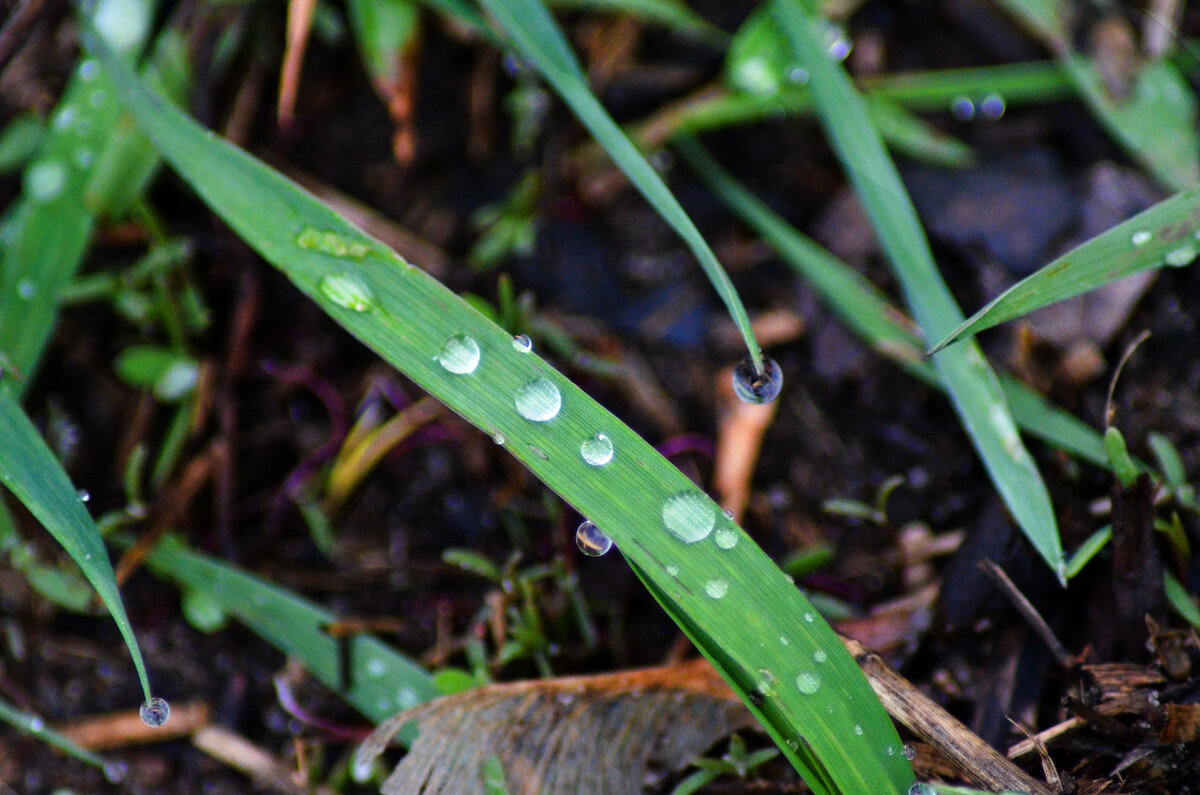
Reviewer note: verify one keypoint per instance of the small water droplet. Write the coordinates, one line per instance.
(363, 767)
(332, 243)
(407, 698)
(498, 438)
(538, 452)
(793, 744)
(820, 656)
(728, 514)
(808, 682)
(716, 588)
(1141, 237)
(1180, 255)
(83, 158)
(89, 70)
(891, 751)
(591, 540)
(858, 730)
(725, 538)
(689, 516)
(837, 44)
(36, 724)
(756, 76)
(597, 451)
(347, 291)
(459, 355)
(64, 119)
(752, 386)
(155, 712)
(798, 75)
(115, 772)
(962, 108)
(44, 181)
(783, 640)
(376, 667)
(539, 400)
(992, 107)
(83, 494)
(809, 617)
(522, 344)
(26, 290)
(673, 571)
(910, 753)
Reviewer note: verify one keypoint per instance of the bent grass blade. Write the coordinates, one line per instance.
(767, 632)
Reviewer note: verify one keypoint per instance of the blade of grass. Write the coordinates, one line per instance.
(35, 726)
(379, 682)
(674, 16)
(970, 382)
(30, 471)
(867, 312)
(537, 37)
(1167, 234)
(778, 649)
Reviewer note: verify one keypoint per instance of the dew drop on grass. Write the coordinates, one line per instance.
(891, 751)
(809, 617)
(808, 682)
(376, 667)
(115, 772)
(716, 588)
(347, 291)
(155, 712)
(673, 571)
(538, 401)
(1141, 237)
(1181, 255)
(798, 76)
(83, 495)
(920, 788)
(83, 158)
(992, 107)
(728, 514)
(522, 344)
(407, 698)
(820, 656)
(498, 438)
(596, 451)
(332, 243)
(36, 724)
(89, 70)
(962, 108)
(910, 753)
(591, 540)
(459, 355)
(44, 181)
(64, 119)
(754, 387)
(725, 538)
(858, 730)
(689, 516)
(26, 290)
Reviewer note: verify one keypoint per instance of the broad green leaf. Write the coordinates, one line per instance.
(745, 615)
(1167, 234)
(537, 37)
(30, 471)
(969, 381)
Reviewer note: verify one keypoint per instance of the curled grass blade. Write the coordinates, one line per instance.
(762, 632)
(31, 472)
(969, 380)
(537, 37)
(867, 312)
(1168, 234)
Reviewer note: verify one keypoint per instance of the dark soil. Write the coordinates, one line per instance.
(612, 273)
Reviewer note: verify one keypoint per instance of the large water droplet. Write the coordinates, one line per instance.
(992, 107)
(347, 291)
(716, 588)
(920, 788)
(1181, 255)
(155, 712)
(910, 753)
(459, 355)
(36, 724)
(962, 108)
(808, 682)
(689, 516)
(538, 401)
(597, 451)
(64, 119)
(1141, 237)
(522, 344)
(752, 386)
(44, 181)
(591, 540)
(332, 243)
(725, 538)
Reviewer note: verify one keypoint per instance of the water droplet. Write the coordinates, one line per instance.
(36, 724)
(673, 571)
(783, 640)
(538, 452)
(728, 514)
(332, 243)
(808, 682)
(820, 656)
(920, 788)
(756, 76)
(155, 712)
(115, 772)
(522, 344)
(84, 128)
(83, 158)
(798, 76)
(97, 99)
(89, 70)
(347, 291)
(891, 751)
(83, 494)
(1181, 255)
(992, 107)
(376, 667)
(538, 401)
(64, 119)
(363, 767)
(962, 108)
(498, 438)
(858, 730)
(597, 451)
(459, 355)
(1141, 237)
(753, 387)
(44, 181)
(407, 698)
(793, 744)
(809, 617)
(591, 540)
(910, 753)
(716, 588)
(837, 44)
(725, 538)
(689, 516)
(26, 290)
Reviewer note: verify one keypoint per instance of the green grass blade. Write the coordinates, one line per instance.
(35, 726)
(970, 382)
(30, 471)
(1164, 235)
(752, 616)
(380, 681)
(537, 37)
(673, 15)
(866, 311)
